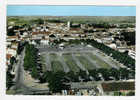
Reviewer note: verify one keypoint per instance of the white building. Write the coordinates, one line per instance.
(68, 25)
(44, 41)
(113, 46)
(12, 38)
(98, 40)
(132, 54)
(11, 51)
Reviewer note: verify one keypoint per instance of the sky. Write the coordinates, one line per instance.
(34, 10)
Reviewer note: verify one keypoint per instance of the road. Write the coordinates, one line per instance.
(47, 60)
(78, 63)
(20, 87)
(65, 66)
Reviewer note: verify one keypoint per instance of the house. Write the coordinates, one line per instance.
(110, 88)
(8, 43)
(11, 51)
(25, 34)
(33, 42)
(8, 57)
(12, 38)
(10, 27)
(14, 45)
(40, 35)
(98, 40)
(44, 41)
(132, 54)
(107, 39)
(112, 45)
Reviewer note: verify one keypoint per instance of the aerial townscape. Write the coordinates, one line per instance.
(70, 55)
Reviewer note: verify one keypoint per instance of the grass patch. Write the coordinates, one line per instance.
(85, 62)
(100, 62)
(53, 56)
(42, 59)
(56, 66)
(71, 63)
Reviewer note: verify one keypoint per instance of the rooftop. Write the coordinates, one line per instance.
(8, 56)
(117, 86)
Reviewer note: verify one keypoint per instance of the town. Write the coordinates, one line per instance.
(62, 56)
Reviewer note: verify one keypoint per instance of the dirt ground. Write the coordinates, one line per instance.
(29, 81)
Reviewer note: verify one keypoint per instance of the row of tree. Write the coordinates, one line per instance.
(20, 47)
(130, 37)
(121, 57)
(9, 78)
(57, 80)
(101, 25)
(30, 62)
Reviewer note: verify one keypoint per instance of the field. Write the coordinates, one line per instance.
(79, 19)
(70, 62)
(74, 61)
(84, 61)
(98, 61)
(55, 63)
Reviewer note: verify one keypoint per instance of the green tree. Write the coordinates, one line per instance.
(9, 80)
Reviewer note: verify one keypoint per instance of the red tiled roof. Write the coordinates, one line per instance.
(36, 33)
(8, 56)
(75, 29)
(117, 86)
(12, 37)
(14, 48)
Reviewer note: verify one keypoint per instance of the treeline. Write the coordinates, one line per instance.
(126, 25)
(30, 60)
(108, 25)
(11, 32)
(58, 80)
(9, 78)
(9, 75)
(56, 21)
(130, 37)
(20, 47)
(101, 25)
(121, 57)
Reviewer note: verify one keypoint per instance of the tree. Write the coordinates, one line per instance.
(83, 75)
(12, 60)
(73, 76)
(105, 73)
(115, 73)
(40, 21)
(9, 80)
(56, 84)
(94, 74)
(131, 93)
(10, 32)
(34, 73)
(30, 61)
(124, 73)
(46, 77)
